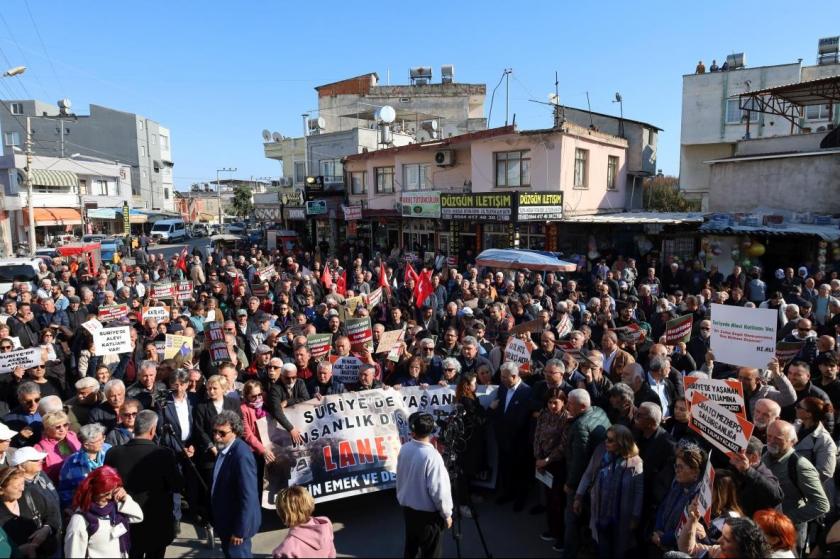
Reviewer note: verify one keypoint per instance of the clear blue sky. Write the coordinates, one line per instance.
(218, 73)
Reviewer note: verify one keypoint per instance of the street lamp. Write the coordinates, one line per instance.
(16, 71)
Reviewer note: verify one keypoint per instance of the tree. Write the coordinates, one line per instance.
(242, 205)
(662, 194)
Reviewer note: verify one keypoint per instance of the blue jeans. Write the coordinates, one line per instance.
(241, 550)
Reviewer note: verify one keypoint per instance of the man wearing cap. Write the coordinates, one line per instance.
(259, 334)
(547, 351)
(79, 406)
(259, 366)
(30, 461)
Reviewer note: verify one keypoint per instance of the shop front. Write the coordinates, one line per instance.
(51, 224)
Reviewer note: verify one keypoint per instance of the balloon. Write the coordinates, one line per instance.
(756, 249)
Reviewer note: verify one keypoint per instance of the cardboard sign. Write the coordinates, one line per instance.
(389, 339)
(360, 332)
(110, 341)
(352, 303)
(259, 290)
(93, 326)
(165, 290)
(26, 358)
(112, 312)
(374, 298)
(786, 351)
(219, 353)
(631, 333)
(517, 352)
(346, 369)
(160, 313)
(266, 273)
(727, 393)
(214, 331)
(535, 325)
(678, 329)
(319, 345)
(184, 291)
(178, 345)
(742, 336)
(726, 431)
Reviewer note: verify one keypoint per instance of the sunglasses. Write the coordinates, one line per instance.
(221, 432)
(6, 347)
(30, 402)
(130, 414)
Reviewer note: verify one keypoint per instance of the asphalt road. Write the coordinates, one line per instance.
(170, 250)
(372, 526)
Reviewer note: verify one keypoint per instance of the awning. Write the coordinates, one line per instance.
(661, 218)
(103, 213)
(49, 177)
(825, 232)
(46, 217)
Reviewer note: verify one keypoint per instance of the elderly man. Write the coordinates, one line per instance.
(367, 379)
(668, 392)
(79, 406)
(469, 359)
(634, 376)
(553, 377)
(548, 350)
(766, 412)
(615, 358)
(511, 412)
(657, 450)
(779, 388)
(147, 387)
(323, 383)
(804, 499)
(106, 413)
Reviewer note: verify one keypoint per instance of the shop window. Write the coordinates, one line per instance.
(513, 168)
(417, 177)
(532, 236)
(581, 170)
(681, 249)
(384, 180)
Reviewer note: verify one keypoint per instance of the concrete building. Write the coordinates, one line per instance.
(69, 196)
(125, 138)
(714, 122)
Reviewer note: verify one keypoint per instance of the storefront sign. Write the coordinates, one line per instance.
(296, 213)
(316, 207)
(101, 213)
(539, 206)
(352, 213)
(477, 207)
(420, 204)
(126, 215)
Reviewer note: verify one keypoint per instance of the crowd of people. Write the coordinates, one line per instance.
(100, 455)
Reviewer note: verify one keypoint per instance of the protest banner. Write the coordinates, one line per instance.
(265, 274)
(350, 446)
(742, 336)
(726, 431)
(352, 303)
(219, 352)
(112, 312)
(93, 326)
(389, 339)
(360, 332)
(214, 331)
(164, 290)
(319, 345)
(346, 369)
(728, 393)
(159, 313)
(535, 325)
(259, 290)
(678, 329)
(517, 351)
(374, 298)
(178, 345)
(184, 291)
(786, 351)
(630, 333)
(26, 358)
(109, 341)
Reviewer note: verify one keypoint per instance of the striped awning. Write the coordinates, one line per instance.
(50, 177)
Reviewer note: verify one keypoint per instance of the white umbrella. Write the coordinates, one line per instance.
(523, 259)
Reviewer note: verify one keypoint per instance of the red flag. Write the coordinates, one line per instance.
(326, 278)
(182, 260)
(237, 281)
(383, 278)
(423, 288)
(341, 283)
(410, 273)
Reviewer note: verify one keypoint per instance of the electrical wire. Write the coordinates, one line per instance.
(493, 98)
(23, 58)
(43, 45)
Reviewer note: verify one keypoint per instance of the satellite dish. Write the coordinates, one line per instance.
(65, 104)
(386, 114)
(277, 136)
(266, 135)
(553, 99)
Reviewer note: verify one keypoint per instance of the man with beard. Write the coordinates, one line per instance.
(779, 390)
(699, 343)
(799, 375)
(434, 364)
(757, 487)
(766, 412)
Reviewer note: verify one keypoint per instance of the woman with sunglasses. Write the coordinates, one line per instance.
(38, 375)
(55, 370)
(102, 513)
(58, 443)
(123, 431)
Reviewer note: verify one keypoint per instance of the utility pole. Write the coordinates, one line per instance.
(219, 190)
(28, 177)
(508, 71)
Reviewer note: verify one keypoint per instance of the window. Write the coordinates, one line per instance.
(300, 172)
(17, 108)
(100, 187)
(164, 142)
(140, 125)
(384, 180)
(331, 168)
(11, 138)
(734, 114)
(417, 177)
(358, 182)
(612, 172)
(154, 139)
(145, 174)
(816, 112)
(513, 168)
(142, 151)
(581, 160)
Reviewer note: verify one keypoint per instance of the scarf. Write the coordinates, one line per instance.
(258, 408)
(95, 513)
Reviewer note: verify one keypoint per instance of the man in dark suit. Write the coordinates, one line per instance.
(151, 476)
(233, 494)
(657, 449)
(511, 411)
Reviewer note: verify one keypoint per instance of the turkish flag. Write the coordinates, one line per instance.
(326, 278)
(423, 288)
(383, 278)
(341, 283)
(237, 281)
(409, 272)
(182, 260)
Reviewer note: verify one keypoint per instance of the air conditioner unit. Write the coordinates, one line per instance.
(445, 157)
(285, 181)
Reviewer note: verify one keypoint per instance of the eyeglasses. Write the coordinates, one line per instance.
(62, 426)
(6, 347)
(129, 414)
(221, 432)
(275, 367)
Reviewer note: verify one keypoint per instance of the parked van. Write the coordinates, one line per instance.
(18, 269)
(169, 230)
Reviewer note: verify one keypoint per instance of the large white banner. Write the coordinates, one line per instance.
(26, 358)
(743, 337)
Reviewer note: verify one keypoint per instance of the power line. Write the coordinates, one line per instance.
(43, 45)
(23, 57)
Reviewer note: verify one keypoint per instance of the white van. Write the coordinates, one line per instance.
(18, 269)
(169, 230)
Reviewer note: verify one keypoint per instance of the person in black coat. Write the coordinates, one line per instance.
(323, 383)
(511, 412)
(471, 458)
(151, 476)
(287, 390)
(756, 486)
(658, 451)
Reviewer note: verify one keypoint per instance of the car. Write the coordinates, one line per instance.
(47, 252)
(169, 230)
(236, 228)
(199, 230)
(110, 246)
(19, 269)
(93, 238)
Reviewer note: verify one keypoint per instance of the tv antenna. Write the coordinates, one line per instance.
(554, 102)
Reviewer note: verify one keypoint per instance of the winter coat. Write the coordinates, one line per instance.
(313, 538)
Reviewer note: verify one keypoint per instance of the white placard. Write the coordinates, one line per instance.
(742, 336)
(93, 326)
(109, 341)
(26, 358)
